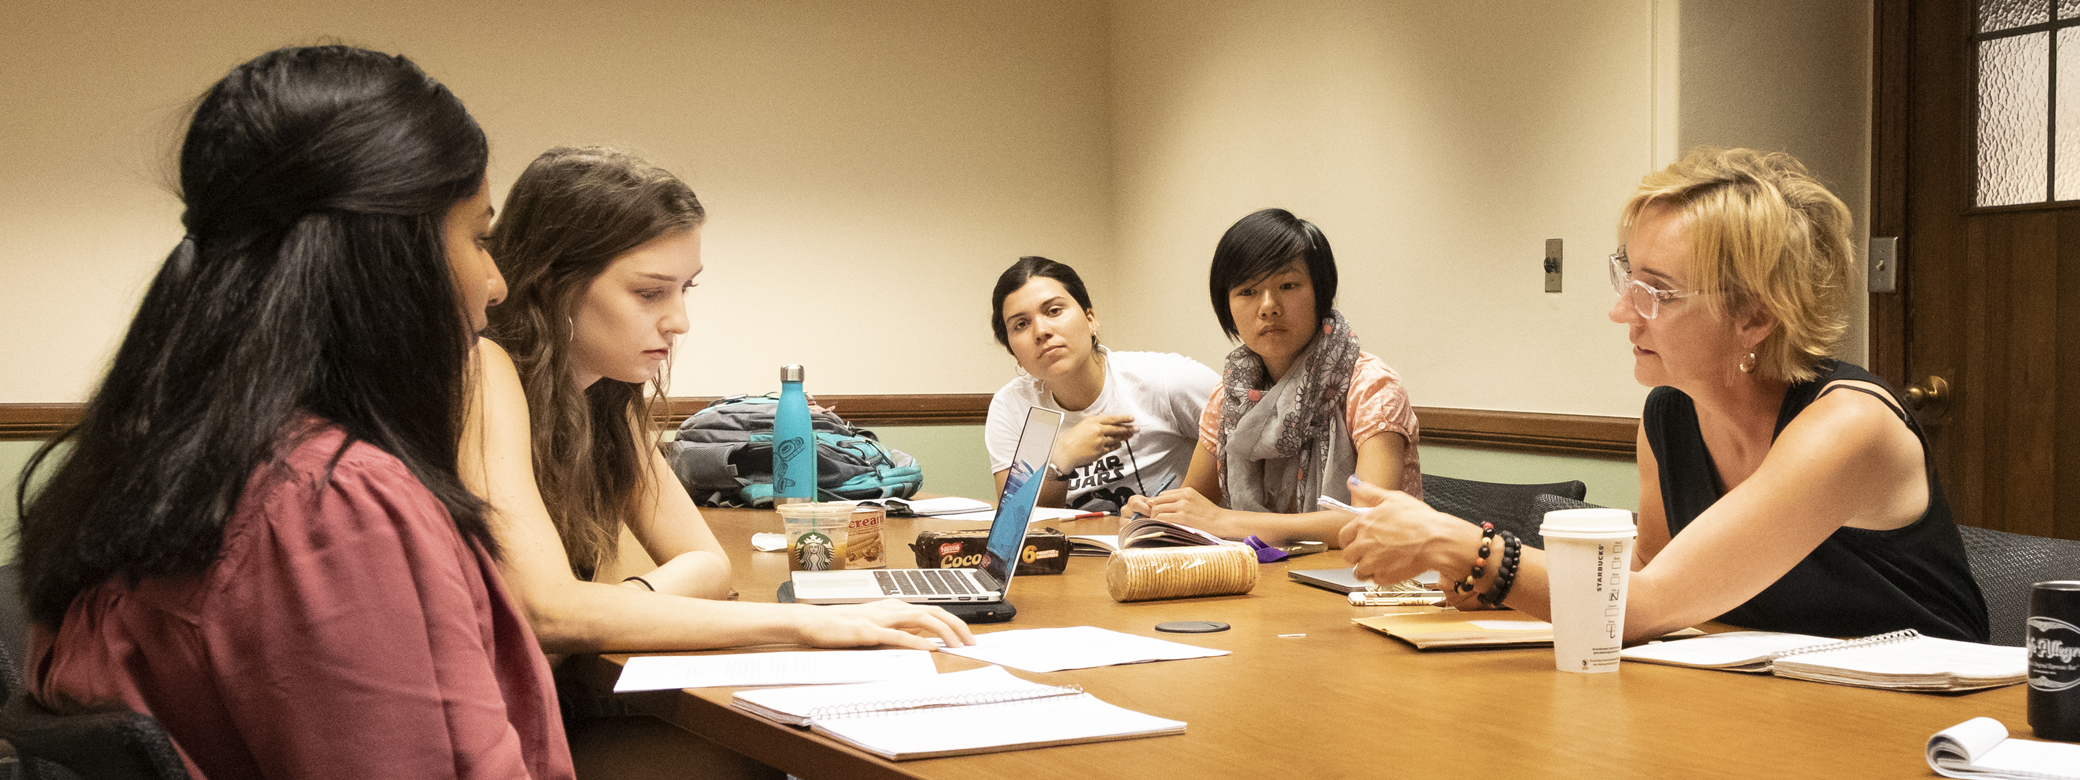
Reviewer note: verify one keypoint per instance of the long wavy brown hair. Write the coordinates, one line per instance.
(569, 216)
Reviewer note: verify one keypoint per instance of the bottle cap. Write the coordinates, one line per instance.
(791, 373)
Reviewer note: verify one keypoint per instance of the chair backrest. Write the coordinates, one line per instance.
(1510, 507)
(14, 629)
(2006, 565)
(116, 745)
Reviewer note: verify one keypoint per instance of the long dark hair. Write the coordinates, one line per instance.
(571, 213)
(313, 280)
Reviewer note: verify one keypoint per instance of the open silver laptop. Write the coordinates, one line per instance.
(1007, 533)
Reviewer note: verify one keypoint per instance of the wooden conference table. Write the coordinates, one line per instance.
(1306, 694)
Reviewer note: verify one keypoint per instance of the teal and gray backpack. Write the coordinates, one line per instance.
(724, 456)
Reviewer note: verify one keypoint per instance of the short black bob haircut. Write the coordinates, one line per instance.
(1263, 244)
(1022, 272)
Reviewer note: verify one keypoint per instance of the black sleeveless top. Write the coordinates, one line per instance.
(1858, 581)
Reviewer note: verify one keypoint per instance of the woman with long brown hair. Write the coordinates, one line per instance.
(601, 247)
(258, 534)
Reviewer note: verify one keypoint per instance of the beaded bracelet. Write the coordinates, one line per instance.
(1506, 571)
(1480, 562)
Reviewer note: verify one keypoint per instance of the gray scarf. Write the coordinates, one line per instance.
(1283, 443)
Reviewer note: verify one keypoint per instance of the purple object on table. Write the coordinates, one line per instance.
(1265, 552)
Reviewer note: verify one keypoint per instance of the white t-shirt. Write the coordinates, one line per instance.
(1164, 392)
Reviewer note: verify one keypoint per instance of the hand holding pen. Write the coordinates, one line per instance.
(1137, 506)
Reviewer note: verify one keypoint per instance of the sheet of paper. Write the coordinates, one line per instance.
(796, 705)
(930, 506)
(1730, 648)
(1081, 647)
(1040, 514)
(769, 542)
(672, 672)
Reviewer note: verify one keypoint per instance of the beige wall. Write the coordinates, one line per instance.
(1792, 76)
(870, 167)
(1436, 144)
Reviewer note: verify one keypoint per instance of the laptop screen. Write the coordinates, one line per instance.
(1007, 533)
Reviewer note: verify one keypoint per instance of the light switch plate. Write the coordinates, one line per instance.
(1552, 265)
(1884, 267)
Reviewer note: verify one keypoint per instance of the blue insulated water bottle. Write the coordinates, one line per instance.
(794, 442)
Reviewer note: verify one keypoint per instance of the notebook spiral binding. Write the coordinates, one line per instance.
(962, 700)
(1902, 635)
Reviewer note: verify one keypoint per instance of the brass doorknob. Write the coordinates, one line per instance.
(1929, 395)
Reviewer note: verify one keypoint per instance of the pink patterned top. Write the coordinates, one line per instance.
(1376, 404)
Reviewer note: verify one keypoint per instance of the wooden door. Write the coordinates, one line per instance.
(1988, 292)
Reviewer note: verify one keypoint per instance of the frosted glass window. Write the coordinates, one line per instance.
(2067, 131)
(2014, 117)
(2003, 14)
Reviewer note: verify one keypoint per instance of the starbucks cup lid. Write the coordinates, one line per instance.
(1587, 522)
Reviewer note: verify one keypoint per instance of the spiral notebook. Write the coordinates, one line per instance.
(1901, 660)
(983, 710)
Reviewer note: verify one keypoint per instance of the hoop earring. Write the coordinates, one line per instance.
(1747, 364)
(572, 333)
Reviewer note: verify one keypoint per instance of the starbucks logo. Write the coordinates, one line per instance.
(2054, 654)
(813, 552)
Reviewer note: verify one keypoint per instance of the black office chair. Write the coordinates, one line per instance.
(2006, 565)
(1510, 507)
(118, 745)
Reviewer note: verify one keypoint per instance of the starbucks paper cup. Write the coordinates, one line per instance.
(1588, 563)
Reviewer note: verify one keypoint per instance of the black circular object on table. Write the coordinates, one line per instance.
(1191, 627)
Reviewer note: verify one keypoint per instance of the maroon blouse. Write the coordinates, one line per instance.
(347, 630)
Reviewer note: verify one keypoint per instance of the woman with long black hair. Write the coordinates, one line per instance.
(258, 535)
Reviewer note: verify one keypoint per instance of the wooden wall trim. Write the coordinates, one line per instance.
(1572, 435)
(1575, 435)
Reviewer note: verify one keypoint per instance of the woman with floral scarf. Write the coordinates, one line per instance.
(1300, 409)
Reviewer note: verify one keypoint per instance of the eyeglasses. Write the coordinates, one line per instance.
(1645, 298)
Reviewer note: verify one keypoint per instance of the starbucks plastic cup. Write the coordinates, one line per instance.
(1588, 560)
(816, 535)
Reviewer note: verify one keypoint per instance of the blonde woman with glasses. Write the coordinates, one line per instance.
(1780, 488)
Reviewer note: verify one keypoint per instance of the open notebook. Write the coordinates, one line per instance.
(1981, 748)
(1901, 660)
(983, 710)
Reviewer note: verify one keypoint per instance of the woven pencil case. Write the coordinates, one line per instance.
(1148, 574)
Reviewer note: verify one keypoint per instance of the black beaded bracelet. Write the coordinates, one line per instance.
(1506, 571)
(646, 583)
(1480, 561)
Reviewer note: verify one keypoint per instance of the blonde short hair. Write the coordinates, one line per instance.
(1762, 230)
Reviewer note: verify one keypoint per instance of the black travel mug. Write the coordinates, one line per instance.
(2053, 641)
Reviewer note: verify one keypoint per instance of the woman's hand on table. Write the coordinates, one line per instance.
(1186, 506)
(1398, 537)
(886, 622)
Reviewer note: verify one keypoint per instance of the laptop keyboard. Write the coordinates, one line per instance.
(924, 582)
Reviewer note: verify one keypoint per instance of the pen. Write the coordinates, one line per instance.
(1085, 516)
(1362, 599)
(1326, 502)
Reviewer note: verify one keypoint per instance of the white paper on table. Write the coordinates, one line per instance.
(769, 542)
(928, 506)
(1040, 514)
(1081, 647)
(672, 672)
